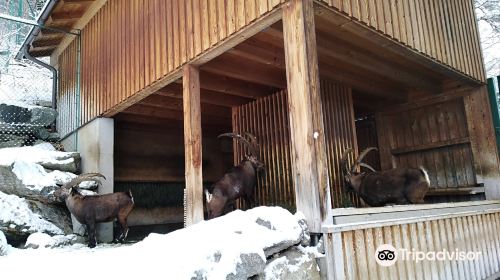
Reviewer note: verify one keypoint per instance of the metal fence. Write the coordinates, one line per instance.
(23, 84)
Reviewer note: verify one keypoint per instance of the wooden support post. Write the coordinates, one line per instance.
(483, 142)
(192, 144)
(310, 172)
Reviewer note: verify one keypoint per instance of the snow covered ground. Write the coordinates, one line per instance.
(211, 249)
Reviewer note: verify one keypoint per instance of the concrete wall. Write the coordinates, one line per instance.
(95, 143)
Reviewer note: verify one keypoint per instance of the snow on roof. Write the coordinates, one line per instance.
(210, 248)
(15, 210)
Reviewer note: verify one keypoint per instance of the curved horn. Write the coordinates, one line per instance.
(367, 166)
(85, 177)
(361, 157)
(239, 137)
(343, 162)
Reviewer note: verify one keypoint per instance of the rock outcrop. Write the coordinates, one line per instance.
(296, 263)
(3, 244)
(20, 125)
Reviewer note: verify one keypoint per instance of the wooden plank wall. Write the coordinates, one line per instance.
(444, 30)
(67, 98)
(267, 118)
(366, 131)
(340, 133)
(470, 233)
(129, 45)
(433, 135)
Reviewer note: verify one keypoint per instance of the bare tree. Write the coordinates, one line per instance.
(488, 16)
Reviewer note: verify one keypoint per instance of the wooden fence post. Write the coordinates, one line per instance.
(310, 171)
(192, 144)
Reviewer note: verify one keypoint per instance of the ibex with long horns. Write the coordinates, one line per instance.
(92, 209)
(238, 182)
(398, 185)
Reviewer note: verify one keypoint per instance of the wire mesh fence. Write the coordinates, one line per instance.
(25, 88)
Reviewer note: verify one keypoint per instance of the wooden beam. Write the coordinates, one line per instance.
(192, 145)
(261, 52)
(80, 24)
(243, 69)
(344, 55)
(430, 146)
(455, 191)
(483, 141)
(367, 84)
(207, 96)
(45, 42)
(170, 114)
(73, 15)
(310, 170)
(225, 84)
(165, 123)
(173, 103)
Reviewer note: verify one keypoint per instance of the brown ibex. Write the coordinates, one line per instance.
(238, 182)
(398, 185)
(92, 209)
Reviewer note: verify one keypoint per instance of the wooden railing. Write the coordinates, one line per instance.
(352, 237)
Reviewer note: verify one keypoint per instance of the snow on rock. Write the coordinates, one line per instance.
(42, 240)
(3, 244)
(26, 171)
(42, 154)
(296, 263)
(17, 218)
(35, 177)
(229, 247)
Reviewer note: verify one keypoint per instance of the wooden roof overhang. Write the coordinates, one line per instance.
(379, 70)
(64, 16)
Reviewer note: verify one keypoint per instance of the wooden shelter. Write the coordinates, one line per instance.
(309, 79)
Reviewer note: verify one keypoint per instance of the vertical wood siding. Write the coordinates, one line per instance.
(129, 45)
(267, 118)
(468, 233)
(340, 134)
(444, 30)
(434, 136)
(67, 98)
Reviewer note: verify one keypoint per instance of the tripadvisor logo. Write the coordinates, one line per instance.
(387, 255)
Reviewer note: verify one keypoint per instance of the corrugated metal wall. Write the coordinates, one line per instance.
(471, 233)
(434, 136)
(445, 30)
(129, 45)
(267, 118)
